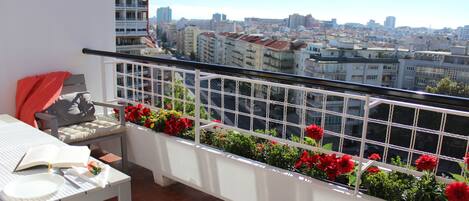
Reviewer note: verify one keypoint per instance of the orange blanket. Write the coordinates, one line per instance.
(36, 93)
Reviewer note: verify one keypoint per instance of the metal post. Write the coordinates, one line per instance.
(103, 84)
(197, 106)
(366, 108)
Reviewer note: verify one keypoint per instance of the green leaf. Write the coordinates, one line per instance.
(462, 165)
(327, 146)
(458, 177)
(352, 179)
(310, 141)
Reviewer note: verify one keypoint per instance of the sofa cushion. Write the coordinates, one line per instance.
(100, 127)
(73, 108)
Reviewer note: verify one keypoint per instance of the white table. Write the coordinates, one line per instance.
(16, 137)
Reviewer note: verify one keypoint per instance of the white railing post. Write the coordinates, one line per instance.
(197, 106)
(103, 84)
(366, 109)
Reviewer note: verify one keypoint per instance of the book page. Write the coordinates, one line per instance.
(39, 155)
(69, 156)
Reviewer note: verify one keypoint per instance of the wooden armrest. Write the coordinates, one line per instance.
(50, 120)
(119, 107)
(111, 105)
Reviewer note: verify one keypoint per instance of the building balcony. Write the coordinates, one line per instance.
(247, 127)
(132, 33)
(357, 119)
(354, 60)
(131, 47)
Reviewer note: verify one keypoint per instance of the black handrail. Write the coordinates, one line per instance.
(450, 102)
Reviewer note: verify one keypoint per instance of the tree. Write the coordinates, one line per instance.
(447, 86)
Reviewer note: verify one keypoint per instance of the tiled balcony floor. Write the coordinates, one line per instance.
(144, 189)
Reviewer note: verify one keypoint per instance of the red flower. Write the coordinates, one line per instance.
(466, 160)
(307, 160)
(139, 106)
(345, 164)
(134, 114)
(303, 159)
(146, 111)
(328, 164)
(187, 122)
(171, 126)
(332, 173)
(148, 123)
(174, 126)
(272, 142)
(373, 170)
(457, 191)
(216, 121)
(314, 159)
(375, 157)
(426, 163)
(315, 132)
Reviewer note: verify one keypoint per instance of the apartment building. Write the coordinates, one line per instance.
(278, 56)
(253, 46)
(390, 22)
(426, 68)
(131, 26)
(206, 42)
(170, 32)
(464, 33)
(164, 15)
(187, 40)
(347, 62)
(248, 51)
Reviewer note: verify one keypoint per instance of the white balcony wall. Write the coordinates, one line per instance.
(42, 36)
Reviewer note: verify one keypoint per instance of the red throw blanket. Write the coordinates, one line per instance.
(36, 93)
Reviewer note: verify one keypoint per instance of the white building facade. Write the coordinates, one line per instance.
(131, 26)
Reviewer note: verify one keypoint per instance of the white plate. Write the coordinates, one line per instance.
(34, 186)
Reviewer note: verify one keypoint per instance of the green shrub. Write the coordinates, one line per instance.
(280, 155)
(237, 143)
(389, 186)
(426, 188)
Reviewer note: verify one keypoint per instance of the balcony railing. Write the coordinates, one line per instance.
(358, 119)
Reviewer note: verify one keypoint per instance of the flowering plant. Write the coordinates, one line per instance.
(374, 169)
(314, 131)
(380, 183)
(457, 191)
(169, 122)
(426, 163)
(321, 165)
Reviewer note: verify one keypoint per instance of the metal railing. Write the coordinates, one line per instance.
(358, 119)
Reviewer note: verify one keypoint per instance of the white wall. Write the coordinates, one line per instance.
(48, 35)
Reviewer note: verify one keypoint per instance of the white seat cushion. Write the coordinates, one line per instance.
(89, 130)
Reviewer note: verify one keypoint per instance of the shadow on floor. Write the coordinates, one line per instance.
(144, 189)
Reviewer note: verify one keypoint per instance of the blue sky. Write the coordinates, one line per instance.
(416, 13)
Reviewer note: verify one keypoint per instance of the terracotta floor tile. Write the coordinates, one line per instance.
(144, 189)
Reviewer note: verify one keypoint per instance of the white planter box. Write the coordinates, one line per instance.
(224, 175)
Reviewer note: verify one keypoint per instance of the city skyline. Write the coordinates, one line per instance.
(418, 13)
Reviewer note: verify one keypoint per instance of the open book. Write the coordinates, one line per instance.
(56, 156)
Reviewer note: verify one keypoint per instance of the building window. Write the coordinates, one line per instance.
(374, 67)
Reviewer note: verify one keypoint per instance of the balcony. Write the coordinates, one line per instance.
(357, 119)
